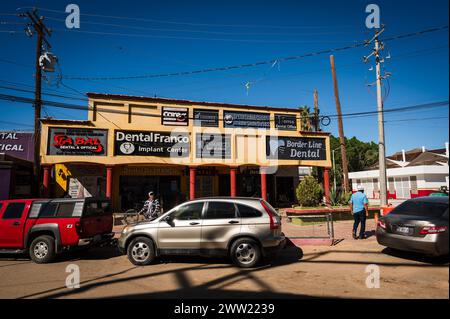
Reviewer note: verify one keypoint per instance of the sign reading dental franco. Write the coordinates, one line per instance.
(246, 119)
(162, 144)
(77, 141)
(175, 116)
(295, 148)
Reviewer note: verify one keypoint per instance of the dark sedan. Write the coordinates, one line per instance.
(417, 225)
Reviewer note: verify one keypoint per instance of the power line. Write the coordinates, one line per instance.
(190, 23)
(15, 98)
(255, 64)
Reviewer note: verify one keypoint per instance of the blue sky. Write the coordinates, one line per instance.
(179, 36)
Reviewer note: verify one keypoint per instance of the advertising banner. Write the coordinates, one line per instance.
(77, 141)
(285, 122)
(246, 119)
(174, 116)
(210, 145)
(206, 118)
(295, 148)
(140, 143)
(17, 144)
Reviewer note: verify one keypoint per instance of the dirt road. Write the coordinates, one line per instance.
(338, 271)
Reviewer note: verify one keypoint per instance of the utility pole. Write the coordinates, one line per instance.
(316, 111)
(378, 46)
(340, 126)
(41, 31)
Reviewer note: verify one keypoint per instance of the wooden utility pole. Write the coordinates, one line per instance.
(340, 126)
(316, 111)
(41, 32)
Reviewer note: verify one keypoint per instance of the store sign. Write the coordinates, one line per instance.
(175, 116)
(210, 145)
(20, 145)
(139, 143)
(77, 141)
(206, 118)
(285, 122)
(295, 148)
(246, 119)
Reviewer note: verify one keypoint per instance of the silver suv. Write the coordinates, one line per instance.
(245, 229)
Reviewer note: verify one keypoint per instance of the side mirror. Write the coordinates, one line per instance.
(168, 219)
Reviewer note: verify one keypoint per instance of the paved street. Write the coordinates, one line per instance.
(311, 271)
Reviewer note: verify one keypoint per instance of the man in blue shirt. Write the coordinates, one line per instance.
(359, 207)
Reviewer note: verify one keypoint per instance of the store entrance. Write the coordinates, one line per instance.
(134, 190)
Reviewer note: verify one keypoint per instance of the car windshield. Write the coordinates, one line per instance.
(420, 208)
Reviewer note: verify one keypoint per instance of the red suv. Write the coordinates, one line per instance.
(46, 227)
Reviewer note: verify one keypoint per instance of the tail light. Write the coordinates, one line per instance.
(273, 221)
(425, 230)
(382, 224)
(78, 227)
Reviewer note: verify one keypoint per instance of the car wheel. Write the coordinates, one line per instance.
(141, 251)
(245, 252)
(42, 249)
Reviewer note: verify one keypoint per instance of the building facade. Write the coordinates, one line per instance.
(179, 149)
(410, 174)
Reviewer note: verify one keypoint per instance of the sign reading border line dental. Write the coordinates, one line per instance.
(295, 148)
(77, 141)
(175, 116)
(246, 119)
(142, 143)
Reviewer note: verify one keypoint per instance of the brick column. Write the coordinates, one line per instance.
(109, 179)
(233, 173)
(192, 173)
(326, 184)
(263, 183)
(46, 180)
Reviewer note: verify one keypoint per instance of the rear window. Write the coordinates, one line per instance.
(14, 211)
(97, 208)
(54, 209)
(419, 208)
(248, 212)
(220, 210)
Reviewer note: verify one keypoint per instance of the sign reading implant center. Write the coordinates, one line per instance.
(295, 148)
(139, 143)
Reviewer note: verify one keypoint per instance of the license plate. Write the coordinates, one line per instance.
(403, 230)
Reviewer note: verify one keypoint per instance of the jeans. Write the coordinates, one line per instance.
(360, 217)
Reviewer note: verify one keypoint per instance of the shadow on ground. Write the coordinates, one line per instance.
(440, 260)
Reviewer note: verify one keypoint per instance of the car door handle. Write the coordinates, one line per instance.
(233, 222)
(16, 223)
(193, 223)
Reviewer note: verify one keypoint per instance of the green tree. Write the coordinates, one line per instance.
(309, 192)
(305, 119)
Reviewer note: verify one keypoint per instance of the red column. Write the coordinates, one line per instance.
(109, 179)
(326, 184)
(46, 181)
(263, 183)
(233, 172)
(192, 171)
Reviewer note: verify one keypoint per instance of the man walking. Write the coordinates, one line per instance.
(359, 207)
(151, 208)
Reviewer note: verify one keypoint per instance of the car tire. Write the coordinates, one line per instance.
(245, 253)
(42, 249)
(141, 251)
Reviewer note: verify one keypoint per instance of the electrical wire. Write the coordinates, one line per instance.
(272, 61)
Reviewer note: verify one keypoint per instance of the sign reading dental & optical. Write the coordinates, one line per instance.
(139, 143)
(246, 119)
(77, 141)
(295, 148)
(175, 116)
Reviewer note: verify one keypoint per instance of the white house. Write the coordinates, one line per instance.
(410, 174)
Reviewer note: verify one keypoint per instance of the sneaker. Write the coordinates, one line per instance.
(362, 237)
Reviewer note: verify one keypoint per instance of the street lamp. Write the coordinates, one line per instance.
(334, 169)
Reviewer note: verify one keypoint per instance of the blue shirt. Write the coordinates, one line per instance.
(358, 200)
